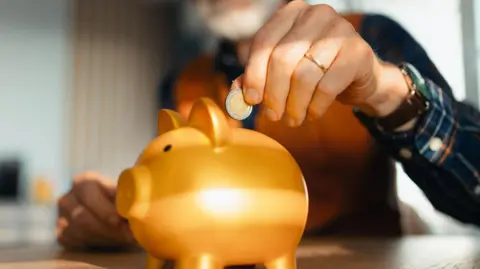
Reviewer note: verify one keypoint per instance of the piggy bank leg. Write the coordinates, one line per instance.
(154, 263)
(200, 262)
(284, 262)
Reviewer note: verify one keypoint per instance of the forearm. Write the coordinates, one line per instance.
(440, 151)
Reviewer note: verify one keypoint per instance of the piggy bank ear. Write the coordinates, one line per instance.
(169, 120)
(207, 117)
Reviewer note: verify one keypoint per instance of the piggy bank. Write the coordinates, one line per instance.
(206, 195)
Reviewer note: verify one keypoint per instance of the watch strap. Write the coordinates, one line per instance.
(413, 105)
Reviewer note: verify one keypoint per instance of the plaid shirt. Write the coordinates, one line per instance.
(442, 153)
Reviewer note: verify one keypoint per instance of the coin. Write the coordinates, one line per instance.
(236, 106)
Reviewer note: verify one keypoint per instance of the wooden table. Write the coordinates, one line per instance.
(332, 253)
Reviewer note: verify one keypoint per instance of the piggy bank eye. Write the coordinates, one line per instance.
(167, 148)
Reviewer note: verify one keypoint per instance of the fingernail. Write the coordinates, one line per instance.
(114, 220)
(291, 122)
(251, 96)
(271, 115)
(310, 117)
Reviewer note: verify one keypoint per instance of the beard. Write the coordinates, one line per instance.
(236, 23)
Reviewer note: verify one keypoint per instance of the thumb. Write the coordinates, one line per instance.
(238, 84)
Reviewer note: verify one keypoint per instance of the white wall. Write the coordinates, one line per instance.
(34, 70)
(475, 16)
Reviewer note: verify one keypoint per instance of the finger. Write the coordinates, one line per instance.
(109, 187)
(72, 239)
(66, 236)
(338, 77)
(262, 46)
(87, 175)
(66, 205)
(68, 208)
(68, 242)
(87, 223)
(308, 74)
(108, 184)
(62, 223)
(289, 52)
(87, 228)
(65, 241)
(92, 195)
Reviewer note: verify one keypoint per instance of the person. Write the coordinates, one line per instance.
(345, 94)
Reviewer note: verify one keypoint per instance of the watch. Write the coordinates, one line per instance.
(414, 105)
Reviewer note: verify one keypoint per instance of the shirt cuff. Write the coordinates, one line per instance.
(433, 135)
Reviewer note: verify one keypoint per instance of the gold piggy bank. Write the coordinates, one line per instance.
(206, 195)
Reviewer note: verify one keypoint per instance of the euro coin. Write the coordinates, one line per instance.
(236, 106)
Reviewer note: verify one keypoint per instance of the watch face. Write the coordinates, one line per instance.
(417, 80)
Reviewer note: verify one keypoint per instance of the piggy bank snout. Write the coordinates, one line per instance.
(133, 192)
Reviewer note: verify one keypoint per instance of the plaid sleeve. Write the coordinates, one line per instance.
(441, 154)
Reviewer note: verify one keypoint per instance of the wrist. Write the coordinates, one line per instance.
(392, 89)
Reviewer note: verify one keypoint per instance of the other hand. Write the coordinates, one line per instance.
(88, 216)
(342, 67)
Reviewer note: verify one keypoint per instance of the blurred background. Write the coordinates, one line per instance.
(79, 90)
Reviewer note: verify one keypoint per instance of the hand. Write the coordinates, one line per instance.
(293, 87)
(88, 216)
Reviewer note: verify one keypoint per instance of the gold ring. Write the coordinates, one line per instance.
(313, 60)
